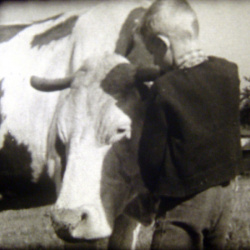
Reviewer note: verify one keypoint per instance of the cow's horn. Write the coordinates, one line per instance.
(44, 84)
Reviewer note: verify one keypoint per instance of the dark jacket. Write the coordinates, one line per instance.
(191, 136)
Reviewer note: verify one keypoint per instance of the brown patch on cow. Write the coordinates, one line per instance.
(130, 43)
(57, 32)
(120, 80)
(16, 175)
(7, 32)
(61, 151)
(15, 161)
(125, 42)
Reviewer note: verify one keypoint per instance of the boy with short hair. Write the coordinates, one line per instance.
(190, 146)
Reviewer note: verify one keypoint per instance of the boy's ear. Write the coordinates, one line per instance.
(164, 39)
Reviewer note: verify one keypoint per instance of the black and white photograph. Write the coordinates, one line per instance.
(125, 124)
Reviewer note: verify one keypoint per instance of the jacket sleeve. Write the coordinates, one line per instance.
(153, 143)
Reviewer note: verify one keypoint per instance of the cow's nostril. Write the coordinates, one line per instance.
(84, 216)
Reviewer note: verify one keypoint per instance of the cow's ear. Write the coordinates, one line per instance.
(44, 84)
(144, 80)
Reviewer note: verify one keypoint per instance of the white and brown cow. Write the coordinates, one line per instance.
(87, 133)
(94, 139)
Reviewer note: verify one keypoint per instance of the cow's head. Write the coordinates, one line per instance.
(93, 146)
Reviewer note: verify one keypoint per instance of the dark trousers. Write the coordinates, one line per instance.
(199, 222)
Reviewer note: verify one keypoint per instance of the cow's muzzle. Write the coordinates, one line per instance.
(79, 224)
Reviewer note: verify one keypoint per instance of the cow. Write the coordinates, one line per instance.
(93, 140)
(81, 50)
(54, 48)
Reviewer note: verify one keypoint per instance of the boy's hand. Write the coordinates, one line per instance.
(147, 74)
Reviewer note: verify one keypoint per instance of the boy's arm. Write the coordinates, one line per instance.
(153, 144)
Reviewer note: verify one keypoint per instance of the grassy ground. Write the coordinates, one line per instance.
(30, 228)
(239, 235)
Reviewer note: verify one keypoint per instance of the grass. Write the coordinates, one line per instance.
(239, 234)
(31, 228)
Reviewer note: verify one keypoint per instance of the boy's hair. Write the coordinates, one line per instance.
(172, 18)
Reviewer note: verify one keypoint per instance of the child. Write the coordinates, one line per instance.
(190, 146)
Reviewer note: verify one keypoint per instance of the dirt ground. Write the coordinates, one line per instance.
(30, 227)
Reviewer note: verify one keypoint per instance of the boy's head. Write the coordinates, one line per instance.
(170, 29)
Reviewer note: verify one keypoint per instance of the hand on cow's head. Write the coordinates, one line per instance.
(145, 76)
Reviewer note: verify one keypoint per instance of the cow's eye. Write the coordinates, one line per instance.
(124, 131)
(121, 130)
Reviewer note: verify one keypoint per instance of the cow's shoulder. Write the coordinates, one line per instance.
(15, 160)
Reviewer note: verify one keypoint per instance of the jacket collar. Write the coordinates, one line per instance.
(191, 59)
